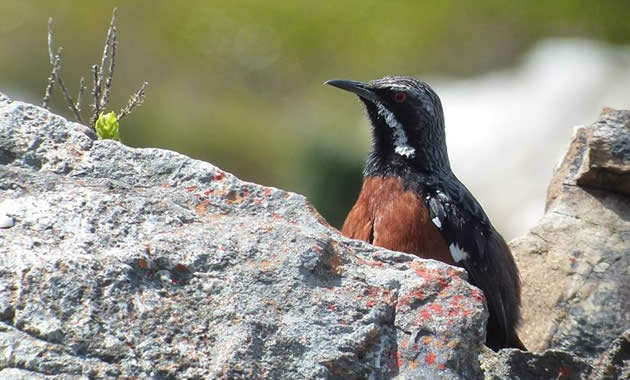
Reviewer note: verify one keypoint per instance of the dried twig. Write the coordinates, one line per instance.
(80, 93)
(53, 62)
(136, 100)
(102, 77)
(96, 93)
(50, 40)
(112, 64)
(51, 82)
(65, 92)
(111, 32)
(101, 97)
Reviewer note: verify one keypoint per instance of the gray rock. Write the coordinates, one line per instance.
(606, 160)
(575, 263)
(4, 100)
(20, 374)
(548, 365)
(615, 363)
(558, 365)
(145, 263)
(6, 221)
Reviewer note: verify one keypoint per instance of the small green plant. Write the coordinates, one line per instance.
(106, 125)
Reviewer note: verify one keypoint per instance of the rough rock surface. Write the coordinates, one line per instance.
(549, 365)
(615, 363)
(121, 262)
(558, 365)
(575, 263)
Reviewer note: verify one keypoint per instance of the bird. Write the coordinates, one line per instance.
(411, 201)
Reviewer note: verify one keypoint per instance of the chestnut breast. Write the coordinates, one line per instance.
(389, 216)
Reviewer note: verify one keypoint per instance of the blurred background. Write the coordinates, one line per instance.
(239, 84)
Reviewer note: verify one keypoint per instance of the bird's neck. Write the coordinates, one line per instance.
(429, 161)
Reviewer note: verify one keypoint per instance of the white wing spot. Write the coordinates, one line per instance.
(401, 144)
(437, 222)
(457, 253)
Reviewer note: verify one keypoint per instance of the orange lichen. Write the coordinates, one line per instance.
(142, 263)
(370, 263)
(404, 344)
(424, 314)
(397, 356)
(202, 208)
(407, 299)
(436, 308)
(181, 268)
(430, 358)
(477, 295)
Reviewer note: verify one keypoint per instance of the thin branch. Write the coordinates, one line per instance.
(55, 75)
(102, 77)
(51, 81)
(64, 89)
(136, 100)
(110, 72)
(53, 62)
(96, 93)
(51, 55)
(111, 31)
(80, 93)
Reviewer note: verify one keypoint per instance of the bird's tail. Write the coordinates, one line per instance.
(516, 343)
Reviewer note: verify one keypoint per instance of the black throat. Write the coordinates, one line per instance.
(430, 157)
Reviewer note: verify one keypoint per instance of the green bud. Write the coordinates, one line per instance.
(107, 126)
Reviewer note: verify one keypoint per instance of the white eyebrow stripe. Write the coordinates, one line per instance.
(399, 86)
(401, 144)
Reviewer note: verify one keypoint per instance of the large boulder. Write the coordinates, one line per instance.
(575, 263)
(122, 262)
(575, 268)
(548, 365)
(559, 365)
(615, 362)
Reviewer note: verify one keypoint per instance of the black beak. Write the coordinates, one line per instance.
(358, 88)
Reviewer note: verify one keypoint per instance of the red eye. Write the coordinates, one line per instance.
(400, 97)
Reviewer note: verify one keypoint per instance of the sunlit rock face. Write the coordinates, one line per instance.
(121, 262)
(575, 263)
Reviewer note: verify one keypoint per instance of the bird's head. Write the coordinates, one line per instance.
(408, 123)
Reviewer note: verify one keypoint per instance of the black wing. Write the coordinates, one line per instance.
(475, 245)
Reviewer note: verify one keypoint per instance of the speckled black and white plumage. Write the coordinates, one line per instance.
(409, 142)
(486, 256)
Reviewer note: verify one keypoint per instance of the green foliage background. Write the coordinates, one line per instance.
(239, 83)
